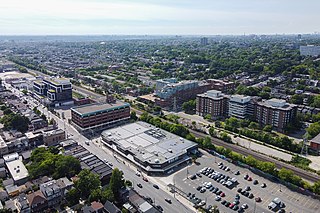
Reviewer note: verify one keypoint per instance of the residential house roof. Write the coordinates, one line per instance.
(35, 198)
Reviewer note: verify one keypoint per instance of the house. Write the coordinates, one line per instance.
(37, 201)
(95, 207)
(315, 143)
(22, 204)
(111, 208)
(52, 192)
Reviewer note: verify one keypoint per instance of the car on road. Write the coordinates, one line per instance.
(168, 200)
(105, 161)
(159, 208)
(138, 174)
(192, 177)
(155, 186)
(87, 142)
(110, 164)
(139, 185)
(145, 179)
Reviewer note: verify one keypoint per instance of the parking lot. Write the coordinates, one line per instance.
(261, 196)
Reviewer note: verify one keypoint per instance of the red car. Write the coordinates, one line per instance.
(249, 178)
(231, 205)
(145, 179)
(222, 194)
(258, 199)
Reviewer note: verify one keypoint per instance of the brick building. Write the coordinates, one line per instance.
(213, 103)
(275, 112)
(97, 117)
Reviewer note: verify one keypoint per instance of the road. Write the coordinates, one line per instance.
(158, 195)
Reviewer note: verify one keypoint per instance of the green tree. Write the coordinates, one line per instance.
(207, 117)
(189, 106)
(133, 116)
(207, 142)
(316, 187)
(116, 182)
(316, 101)
(95, 195)
(297, 99)
(87, 182)
(73, 196)
(253, 125)
(313, 130)
(267, 128)
(107, 194)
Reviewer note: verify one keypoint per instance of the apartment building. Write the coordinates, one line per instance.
(275, 112)
(58, 91)
(213, 102)
(240, 106)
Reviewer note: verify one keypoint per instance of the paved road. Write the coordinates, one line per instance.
(157, 195)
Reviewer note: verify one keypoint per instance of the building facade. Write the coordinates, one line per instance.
(97, 117)
(213, 102)
(53, 137)
(275, 112)
(56, 90)
(240, 106)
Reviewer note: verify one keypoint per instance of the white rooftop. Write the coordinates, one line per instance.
(17, 170)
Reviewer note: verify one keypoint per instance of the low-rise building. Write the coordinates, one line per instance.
(52, 192)
(3, 147)
(37, 201)
(92, 118)
(153, 150)
(16, 168)
(53, 137)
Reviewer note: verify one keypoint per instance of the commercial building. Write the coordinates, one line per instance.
(275, 112)
(97, 117)
(16, 168)
(88, 160)
(153, 150)
(240, 106)
(204, 41)
(53, 137)
(213, 102)
(310, 50)
(58, 91)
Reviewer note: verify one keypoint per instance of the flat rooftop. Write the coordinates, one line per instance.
(17, 170)
(148, 143)
(277, 104)
(94, 108)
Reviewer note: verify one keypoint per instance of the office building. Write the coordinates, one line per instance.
(97, 117)
(153, 150)
(214, 103)
(310, 50)
(240, 106)
(275, 112)
(58, 91)
(221, 85)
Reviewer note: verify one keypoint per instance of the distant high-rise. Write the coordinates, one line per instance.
(204, 41)
(310, 50)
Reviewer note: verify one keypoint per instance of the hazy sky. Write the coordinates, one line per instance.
(192, 17)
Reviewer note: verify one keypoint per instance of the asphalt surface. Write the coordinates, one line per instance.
(300, 172)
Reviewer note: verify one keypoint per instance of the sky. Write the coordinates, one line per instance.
(158, 17)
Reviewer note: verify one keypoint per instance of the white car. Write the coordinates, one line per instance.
(202, 203)
(138, 174)
(87, 142)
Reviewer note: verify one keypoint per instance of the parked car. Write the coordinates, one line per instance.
(217, 198)
(156, 186)
(263, 185)
(255, 182)
(258, 199)
(145, 179)
(244, 206)
(159, 208)
(139, 185)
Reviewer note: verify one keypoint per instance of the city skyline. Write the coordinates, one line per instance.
(97, 17)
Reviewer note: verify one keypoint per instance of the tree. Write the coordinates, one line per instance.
(87, 182)
(116, 182)
(189, 106)
(207, 117)
(267, 128)
(133, 116)
(313, 130)
(95, 195)
(253, 125)
(316, 101)
(107, 194)
(212, 132)
(316, 187)
(297, 99)
(207, 142)
(73, 196)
